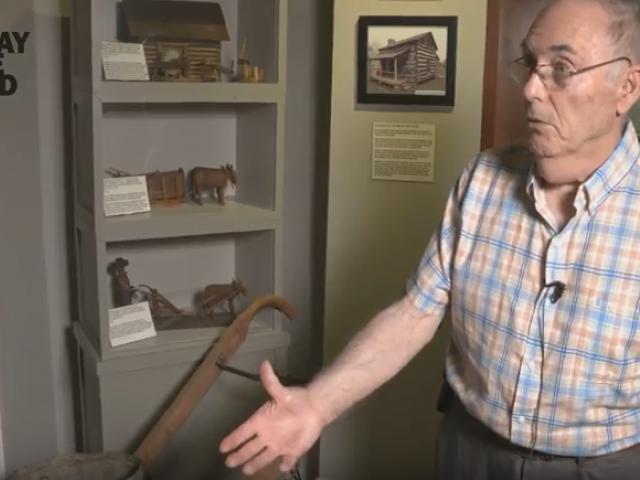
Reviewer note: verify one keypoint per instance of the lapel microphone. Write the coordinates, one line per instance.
(557, 292)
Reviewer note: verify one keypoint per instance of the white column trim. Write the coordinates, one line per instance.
(3, 473)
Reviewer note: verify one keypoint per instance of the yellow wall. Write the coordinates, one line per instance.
(376, 234)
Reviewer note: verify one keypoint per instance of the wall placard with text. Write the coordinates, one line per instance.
(403, 152)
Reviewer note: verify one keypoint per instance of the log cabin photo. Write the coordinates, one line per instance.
(407, 60)
(405, 64)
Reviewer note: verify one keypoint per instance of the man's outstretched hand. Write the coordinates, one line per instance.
(286, 426)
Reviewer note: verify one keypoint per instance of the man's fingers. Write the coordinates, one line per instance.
(270, 381)
(266, 457)
(245, 453)
(288, 463)
(239, 436)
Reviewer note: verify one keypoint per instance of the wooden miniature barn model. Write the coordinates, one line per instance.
(406, 63)
(182, 39)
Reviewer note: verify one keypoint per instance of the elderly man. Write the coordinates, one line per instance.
(538, 257)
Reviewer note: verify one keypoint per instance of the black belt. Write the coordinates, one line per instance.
(538, 455)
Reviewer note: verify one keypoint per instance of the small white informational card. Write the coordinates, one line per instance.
(130, 324)
(124, 62)
(403, 152)
(126, 195)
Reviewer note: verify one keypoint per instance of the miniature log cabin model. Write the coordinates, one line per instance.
(182, 39)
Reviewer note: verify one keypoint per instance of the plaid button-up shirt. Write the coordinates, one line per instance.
(562, 377)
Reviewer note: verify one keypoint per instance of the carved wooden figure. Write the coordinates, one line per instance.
(204, 178)
(215, 294)
(123, 291)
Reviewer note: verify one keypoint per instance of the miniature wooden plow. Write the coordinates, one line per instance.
(214, 294)
(158, 302)
(203, 378)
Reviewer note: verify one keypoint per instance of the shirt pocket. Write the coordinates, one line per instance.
(481, 322)
(607, 352)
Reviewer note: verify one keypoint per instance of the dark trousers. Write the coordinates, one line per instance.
(467, 450)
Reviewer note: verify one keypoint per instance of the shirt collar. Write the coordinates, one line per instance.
(604, 180)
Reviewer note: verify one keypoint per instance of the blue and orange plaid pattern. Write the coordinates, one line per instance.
(563, 377)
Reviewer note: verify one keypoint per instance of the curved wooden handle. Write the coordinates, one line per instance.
(201, 380)
(267, 301)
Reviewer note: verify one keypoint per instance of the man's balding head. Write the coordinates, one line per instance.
(582, 58)
(623, 22)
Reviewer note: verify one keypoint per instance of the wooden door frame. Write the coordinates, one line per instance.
(492, 62)
(503, 105)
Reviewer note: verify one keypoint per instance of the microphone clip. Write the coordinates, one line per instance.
(557, 292)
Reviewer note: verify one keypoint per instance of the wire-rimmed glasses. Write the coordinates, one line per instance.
(552, 75)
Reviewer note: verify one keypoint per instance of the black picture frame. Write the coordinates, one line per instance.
(387, 88)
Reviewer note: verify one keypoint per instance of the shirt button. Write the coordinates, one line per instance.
(520, 420)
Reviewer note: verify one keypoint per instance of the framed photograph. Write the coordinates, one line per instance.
(407, 60)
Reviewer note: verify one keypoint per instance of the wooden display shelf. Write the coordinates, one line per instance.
(189, 219)
(112, 92)
(175, 346)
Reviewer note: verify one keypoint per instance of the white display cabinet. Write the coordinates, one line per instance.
(141, 127)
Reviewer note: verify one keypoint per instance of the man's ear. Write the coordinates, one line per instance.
(629, 90)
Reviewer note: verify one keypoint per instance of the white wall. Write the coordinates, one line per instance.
(376, 234)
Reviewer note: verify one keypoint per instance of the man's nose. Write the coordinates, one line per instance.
(534, 88)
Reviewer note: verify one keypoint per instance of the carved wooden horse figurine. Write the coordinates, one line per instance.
(204, 178)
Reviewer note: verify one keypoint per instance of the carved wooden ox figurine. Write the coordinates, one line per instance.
(204, 178)
(215, 294)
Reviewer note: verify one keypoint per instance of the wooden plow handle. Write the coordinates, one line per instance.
(202, 379)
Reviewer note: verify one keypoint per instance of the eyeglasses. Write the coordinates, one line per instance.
(553, 75)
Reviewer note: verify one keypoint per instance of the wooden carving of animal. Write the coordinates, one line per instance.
(204, 178)
(215, 294)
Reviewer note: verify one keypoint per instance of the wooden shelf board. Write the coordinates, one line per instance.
(174, 347)
(189, 219)
(110, 92)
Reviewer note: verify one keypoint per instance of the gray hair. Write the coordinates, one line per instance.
(624, 29)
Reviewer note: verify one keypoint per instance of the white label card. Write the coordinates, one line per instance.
(124, 62)
(130, 324)
(126, 195)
